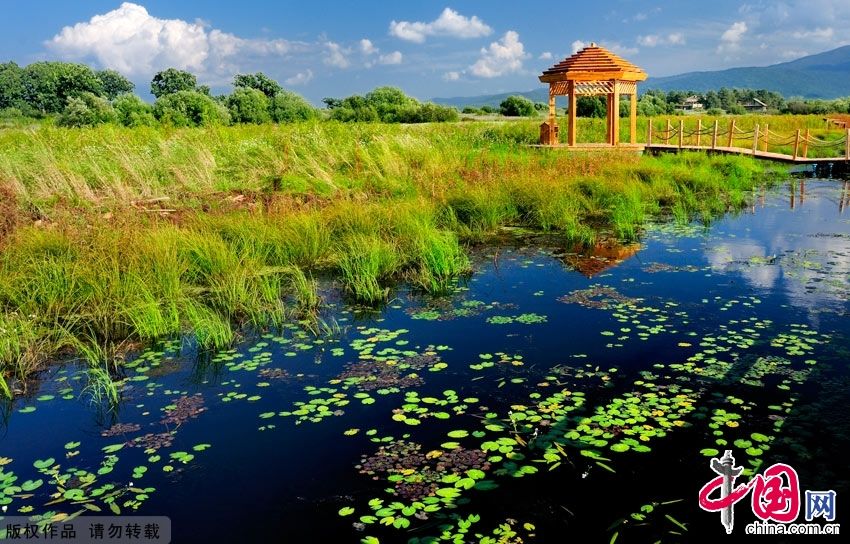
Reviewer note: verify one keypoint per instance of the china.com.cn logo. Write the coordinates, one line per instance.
(775, 499)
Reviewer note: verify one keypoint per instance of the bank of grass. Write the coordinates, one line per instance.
(255, 213)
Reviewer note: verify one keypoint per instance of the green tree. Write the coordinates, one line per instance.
(47, 86)
(259, 81)
(114, 84)
(190, 109)
(85, 110)
(517, 106)
(132, 111)
(11, 85)
(288, 107)
(171, 81)
(248, 105)
(591, 106)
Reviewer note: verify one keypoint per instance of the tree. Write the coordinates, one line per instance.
(171, 81)
(11, 85)
(259, 81)
(48, 85)
(390, 103)
(248, 105)
(86, 110)
(288, 107)
(132, 111)
(190, 109)
(114, 83)
(590, 106)
(517, 106)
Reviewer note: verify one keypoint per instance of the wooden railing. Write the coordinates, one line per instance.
(757, 141)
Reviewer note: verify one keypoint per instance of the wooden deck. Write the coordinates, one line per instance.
(769, 155)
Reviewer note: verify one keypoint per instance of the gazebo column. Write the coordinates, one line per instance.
(551, 105)
(571, 127)
(633, 116)
(615, 114)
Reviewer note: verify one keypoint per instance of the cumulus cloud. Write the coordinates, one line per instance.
(578, 45)
(391, 58)
(301, 78)
(546, 55)
(730, 40)
(653, 40)
(134, 42)
(502, 57)
(367, 47)
(336, 55)
(451, 76)
(449, 23)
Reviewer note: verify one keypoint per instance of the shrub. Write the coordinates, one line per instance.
(86, 110)
(259, 81)
(288, 107)
(171, 81)
(248, 105)
(517, 106)
(132, 111)
(427, 113)
(190, 109)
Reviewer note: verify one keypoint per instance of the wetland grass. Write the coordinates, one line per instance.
(139, 234)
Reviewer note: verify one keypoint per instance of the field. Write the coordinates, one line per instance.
(115, 237)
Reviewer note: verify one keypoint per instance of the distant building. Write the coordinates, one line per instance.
(691, 103)
(754, 105)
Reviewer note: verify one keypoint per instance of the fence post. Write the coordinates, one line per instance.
(649, 132)
(766, 134)
(681, 132)
(699, 131)
(797, 144)
(714, 136)
(755, 139)
(847, 145)
(731, 132)
(669, 131)
(806, 145)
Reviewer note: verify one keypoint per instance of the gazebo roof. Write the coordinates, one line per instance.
(593, 63)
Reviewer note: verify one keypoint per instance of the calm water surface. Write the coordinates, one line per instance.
(553, 395)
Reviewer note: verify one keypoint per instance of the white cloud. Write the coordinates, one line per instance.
(653, 40)
(391, 58)
(820, 34)
(366, 47)
(730, 40)
(578, 45)
(502, 57)
(301, 78)
(132, 41)
(546, 55)
(451, 76)
(449, 23)
(336, 55)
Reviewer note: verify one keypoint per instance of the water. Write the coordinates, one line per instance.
(640, 357)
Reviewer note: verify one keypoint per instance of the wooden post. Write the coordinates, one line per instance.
(755, 139)
(571, 128)
(633, 116)
(615, 114)
(847, 145)
(649, 132)
(797, 144)
(806, 145)
(699, 131)
(714, 136)
(551, 104)
(731, 132)
(766, 134)
(669, 131)
(681, 132)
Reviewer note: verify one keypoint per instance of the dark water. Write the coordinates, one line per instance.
(599, 386)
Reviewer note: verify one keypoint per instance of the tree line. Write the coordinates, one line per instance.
(76, 95)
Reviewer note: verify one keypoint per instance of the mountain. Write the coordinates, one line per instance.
(823, 75)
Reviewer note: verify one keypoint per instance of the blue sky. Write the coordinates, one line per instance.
(447, 48)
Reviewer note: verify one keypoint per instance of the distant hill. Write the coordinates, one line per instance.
(823, 75)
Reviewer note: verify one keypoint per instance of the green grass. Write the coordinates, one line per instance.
(252, 214)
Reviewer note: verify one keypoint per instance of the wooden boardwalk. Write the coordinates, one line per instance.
(759, 140)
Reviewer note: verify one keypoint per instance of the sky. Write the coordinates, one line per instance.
(429, 49)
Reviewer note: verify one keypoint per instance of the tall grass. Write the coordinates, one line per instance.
(255, 212)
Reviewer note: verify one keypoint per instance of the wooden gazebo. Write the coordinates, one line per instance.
(592, 71)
